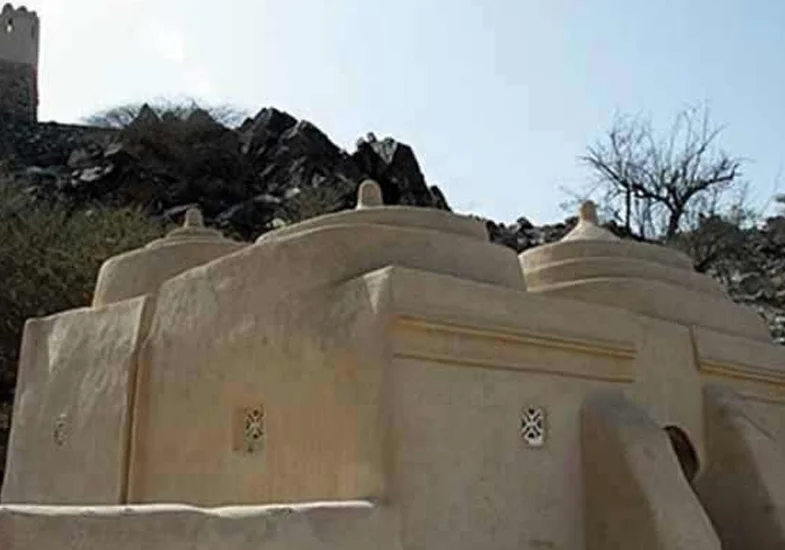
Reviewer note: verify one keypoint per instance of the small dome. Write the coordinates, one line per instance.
(592, 264)
(142, 271)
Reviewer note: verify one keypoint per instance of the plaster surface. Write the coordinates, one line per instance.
(69, 437)
(391, 364)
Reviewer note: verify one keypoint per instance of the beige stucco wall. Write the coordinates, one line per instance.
(636, 496)
(481, 486)
(312, 360)
(743, 483)
(76, 378)
(667, 381)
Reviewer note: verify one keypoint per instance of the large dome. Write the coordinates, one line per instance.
(373, 236)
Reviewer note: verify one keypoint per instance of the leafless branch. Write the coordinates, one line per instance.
(656, 185)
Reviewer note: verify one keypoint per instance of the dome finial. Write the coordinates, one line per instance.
(588, 212)
(588, 227)
(193, 218)
(369, 195)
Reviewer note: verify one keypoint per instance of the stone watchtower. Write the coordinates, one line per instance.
(19, 39)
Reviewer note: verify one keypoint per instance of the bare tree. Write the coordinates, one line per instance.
(656, 187)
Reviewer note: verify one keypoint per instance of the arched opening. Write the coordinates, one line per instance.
(9, 26)
(685, 452)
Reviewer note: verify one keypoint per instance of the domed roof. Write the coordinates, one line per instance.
(592, 264)
(372, 210)
(374, 236)
(143, 270)
(589, 244)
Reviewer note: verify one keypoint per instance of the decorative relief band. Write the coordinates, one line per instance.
(454, 344)
(742, 372)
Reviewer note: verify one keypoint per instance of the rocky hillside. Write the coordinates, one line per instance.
(272, 169)
(275, 169)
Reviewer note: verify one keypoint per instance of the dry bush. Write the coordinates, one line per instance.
(656, 185)
(121, 116)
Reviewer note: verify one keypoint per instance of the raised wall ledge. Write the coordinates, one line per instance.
(442, 298)
(579, 345)
(454, 345)
(665, 301)
(443, 319)
(739, 358)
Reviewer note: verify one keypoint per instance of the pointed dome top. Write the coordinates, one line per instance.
(588, 228)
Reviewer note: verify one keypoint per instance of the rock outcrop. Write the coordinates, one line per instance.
(243, 179)
(275, 169)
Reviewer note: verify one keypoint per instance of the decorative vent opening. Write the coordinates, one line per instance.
(60, 430)
(533, 426)
(249, 429)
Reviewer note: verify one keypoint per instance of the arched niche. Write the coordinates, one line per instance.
(685, 451)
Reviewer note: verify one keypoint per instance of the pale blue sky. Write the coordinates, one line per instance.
(498, 98)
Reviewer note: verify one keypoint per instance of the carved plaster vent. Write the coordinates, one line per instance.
(533, 426)
(60, 430)
(250, 431)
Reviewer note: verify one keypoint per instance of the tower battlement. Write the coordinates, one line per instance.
(19, 34)
(19, 45)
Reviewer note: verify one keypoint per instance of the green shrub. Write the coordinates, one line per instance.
(49, 258)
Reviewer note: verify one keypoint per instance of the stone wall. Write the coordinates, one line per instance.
(18, 91)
